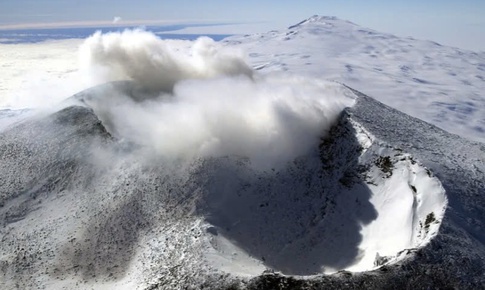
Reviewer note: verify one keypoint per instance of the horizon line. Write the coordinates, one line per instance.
(110, 23)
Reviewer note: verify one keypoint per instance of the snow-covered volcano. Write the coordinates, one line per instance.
(441, 85)
(353, 202)
(223, 177)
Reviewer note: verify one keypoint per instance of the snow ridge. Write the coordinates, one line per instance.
(314, 19)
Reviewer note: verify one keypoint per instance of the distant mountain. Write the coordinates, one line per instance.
(441, 85)
(382, 200)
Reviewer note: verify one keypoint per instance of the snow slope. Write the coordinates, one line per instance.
(438, 84)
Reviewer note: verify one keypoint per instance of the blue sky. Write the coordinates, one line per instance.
(456, 23)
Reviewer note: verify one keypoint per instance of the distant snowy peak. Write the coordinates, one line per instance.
(321, 25)
(439, 84)
(315, 19)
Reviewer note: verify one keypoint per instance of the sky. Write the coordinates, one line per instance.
(455, 23)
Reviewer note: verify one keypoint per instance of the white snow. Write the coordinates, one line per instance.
(228, 257)
(39, 75)
(403, 202)
(441, 85)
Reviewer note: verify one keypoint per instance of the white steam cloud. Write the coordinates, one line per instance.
(206, 101)
(156, 64)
